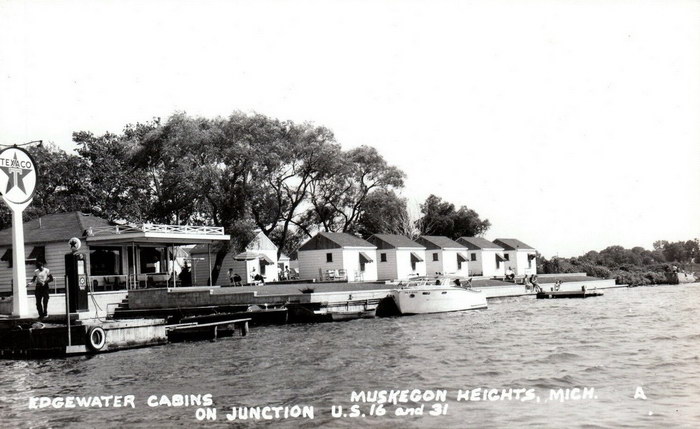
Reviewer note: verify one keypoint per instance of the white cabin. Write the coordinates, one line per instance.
(519, 257)
(444, 256)
(398, 257)
(332, 256)
(485, 258)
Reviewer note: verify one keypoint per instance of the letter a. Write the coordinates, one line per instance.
(639, 393)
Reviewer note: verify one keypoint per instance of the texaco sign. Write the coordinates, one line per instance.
(17, 175)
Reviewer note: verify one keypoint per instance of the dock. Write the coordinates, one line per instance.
(569, 294)
(29, 338)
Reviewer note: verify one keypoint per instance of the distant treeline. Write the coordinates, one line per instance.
(636, 266)
(242, 172)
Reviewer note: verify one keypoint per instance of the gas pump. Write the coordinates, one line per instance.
(77, 287)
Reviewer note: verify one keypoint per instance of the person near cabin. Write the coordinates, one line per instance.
(185, 276)
(42, 278)
(259, 278)
(231, 281)
(237, 280)
(510, 274)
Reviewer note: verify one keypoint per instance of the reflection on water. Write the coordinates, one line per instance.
(645, 337)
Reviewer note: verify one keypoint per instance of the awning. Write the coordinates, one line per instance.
(499, 258)
(7, 256)
(415, 258)
(246, 256)
(461, 257)
(531, 256)
(365, 259)
(266, 259)
(37, 254)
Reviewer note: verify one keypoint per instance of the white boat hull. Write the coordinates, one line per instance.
(436, 299)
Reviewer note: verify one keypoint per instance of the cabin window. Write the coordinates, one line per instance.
(506, 257)
(435, 257)
(413, 266)
(382, 257)
(459, 264)
(329, 257)
(473, 256)
(529, 263)
(105, 261)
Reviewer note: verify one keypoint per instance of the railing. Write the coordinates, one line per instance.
(333, 275)
(58, 285)
(150, 227)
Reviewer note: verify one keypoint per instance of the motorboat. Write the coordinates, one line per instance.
(437, 295)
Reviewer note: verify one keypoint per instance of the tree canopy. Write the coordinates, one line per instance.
(242, 172)
(441, 218)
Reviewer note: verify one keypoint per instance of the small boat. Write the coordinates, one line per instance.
(436, 295)
(339, 315)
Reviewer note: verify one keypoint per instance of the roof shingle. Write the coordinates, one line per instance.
(432, 242)
(393, 241)
(478, 243)
(512, 244)
(334, 240)
(55, 227)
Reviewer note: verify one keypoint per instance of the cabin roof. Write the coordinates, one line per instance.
(202, 248)
(335, 240)
(393, 241)
(512, 244)
(55, 228)
(478, 243)
(432, 242)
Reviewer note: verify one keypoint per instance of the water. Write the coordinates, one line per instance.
(641, 337)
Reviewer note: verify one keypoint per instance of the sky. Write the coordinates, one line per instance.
(571, 125)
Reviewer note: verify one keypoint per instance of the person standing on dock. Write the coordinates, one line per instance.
(42, 278)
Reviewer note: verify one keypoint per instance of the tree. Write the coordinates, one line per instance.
(441, 218)
(338, 195)
(384, 213)
(300, 155)
(116, 188)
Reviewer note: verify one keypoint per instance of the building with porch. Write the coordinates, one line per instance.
(331, 256)
(398, 257)
(485, 258)
(519, 257)
(118, 257)
(444, 255)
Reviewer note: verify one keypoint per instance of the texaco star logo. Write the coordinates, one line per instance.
(17, 175)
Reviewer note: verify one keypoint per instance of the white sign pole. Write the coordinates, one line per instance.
(18, 177)
(20, 307)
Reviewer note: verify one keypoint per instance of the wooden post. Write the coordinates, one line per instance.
(209, 260)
